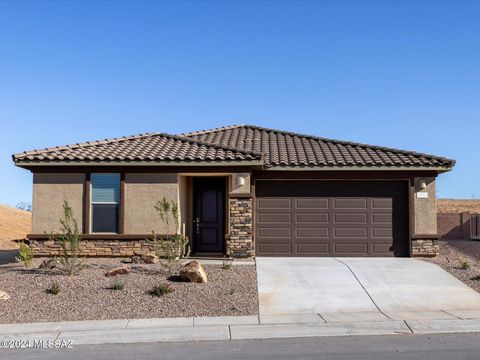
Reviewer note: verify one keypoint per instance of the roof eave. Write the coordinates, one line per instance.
(72, 163)
(439, 169)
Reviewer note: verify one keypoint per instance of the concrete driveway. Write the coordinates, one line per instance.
(391, 287)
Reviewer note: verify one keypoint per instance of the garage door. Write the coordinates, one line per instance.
(331, 218)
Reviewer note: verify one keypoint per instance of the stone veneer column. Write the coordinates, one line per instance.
(240, 241)
(425, 247)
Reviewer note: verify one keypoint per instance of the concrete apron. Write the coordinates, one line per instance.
(390, 288)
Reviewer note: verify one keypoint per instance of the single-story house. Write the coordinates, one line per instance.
(242, 191)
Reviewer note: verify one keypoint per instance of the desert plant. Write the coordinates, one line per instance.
(53, 289)
(69, 239)
(475, 278)
(25, 206)
(169, 250)
(226, 264)
(160, 290)
(465, 265)
(25, 255)
(117, 284)
(232, 291)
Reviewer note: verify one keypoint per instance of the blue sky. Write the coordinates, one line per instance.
(400, 74)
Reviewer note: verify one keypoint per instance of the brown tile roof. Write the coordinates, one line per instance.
(282, 148)
(143, 147)
(275, 148)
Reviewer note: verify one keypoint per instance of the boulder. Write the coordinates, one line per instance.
(122, 270)
(138, 258)
(193, 272)
(49, 264)
(4, 295)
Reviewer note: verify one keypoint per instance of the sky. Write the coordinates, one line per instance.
(398, 74)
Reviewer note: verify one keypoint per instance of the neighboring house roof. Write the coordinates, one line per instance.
(282, 148)
(237, 143)
(143, 147)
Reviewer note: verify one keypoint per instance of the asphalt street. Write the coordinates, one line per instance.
(392, 347)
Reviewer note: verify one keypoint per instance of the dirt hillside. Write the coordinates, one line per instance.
(14, 224)
(458, 206)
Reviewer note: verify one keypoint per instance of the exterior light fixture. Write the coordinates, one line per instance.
(240, 180)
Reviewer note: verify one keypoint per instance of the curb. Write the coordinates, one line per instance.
(219, 328)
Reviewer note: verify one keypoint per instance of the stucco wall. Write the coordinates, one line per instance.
(142, 191)
(425, 210)
(50, 190)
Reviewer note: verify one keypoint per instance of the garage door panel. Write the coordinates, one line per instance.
(317, 233)
(350, 203)
(313, 249)
(311, 203)
(326, 218)
(359, 233)
(382, 248)
(382, 232)
(382, 203)
(274, 203)
(276, 249)
(282, 218)
(382, 218)
(351, 248)
(275, 232)
(317, 218)
(351, 218)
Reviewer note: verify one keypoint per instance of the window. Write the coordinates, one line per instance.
(105, 200)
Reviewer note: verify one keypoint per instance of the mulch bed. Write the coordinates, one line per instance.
(453, 253)
(87, 296)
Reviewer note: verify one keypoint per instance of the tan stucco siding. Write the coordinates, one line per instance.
(425, 209)
(50, 190)
(142, 191)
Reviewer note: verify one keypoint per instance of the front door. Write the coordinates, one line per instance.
(208, 214)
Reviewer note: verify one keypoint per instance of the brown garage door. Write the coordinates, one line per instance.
(331, 218)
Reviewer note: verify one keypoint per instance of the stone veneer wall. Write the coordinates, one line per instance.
(240, 241)
(425, 247)
(94, 247)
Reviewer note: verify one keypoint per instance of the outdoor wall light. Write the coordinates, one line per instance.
(423, 184)
(240, 180)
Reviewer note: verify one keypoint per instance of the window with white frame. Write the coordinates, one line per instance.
(105, 203)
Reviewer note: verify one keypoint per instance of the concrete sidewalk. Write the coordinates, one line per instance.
(242, 327)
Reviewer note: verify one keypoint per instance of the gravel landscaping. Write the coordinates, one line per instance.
(453, 254)
(87, 296)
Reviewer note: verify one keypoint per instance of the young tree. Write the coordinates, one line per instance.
(69, 238)
(170, 250)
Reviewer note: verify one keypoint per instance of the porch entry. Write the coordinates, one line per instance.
(209, 214)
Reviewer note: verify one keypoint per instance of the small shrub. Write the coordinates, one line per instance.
(117, 284)
(160, 290)
(69, 239)
(54, 289)
(465, 265)
(170, 250)
(226, 264)
(475, 278)
(25, 255)
(232, 291)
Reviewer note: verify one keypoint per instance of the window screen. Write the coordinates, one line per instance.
(105, 202)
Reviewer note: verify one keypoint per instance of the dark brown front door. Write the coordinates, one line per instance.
(208, 214)
(332, 218)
